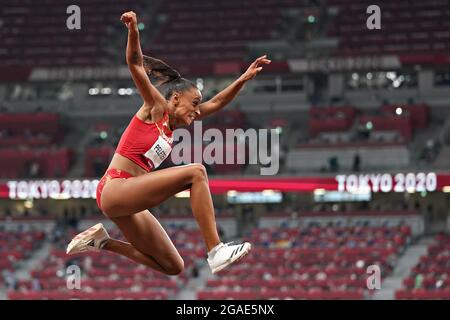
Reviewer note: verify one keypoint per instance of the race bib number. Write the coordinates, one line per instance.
(158, 152)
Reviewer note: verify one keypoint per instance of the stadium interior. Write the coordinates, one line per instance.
(348, 105)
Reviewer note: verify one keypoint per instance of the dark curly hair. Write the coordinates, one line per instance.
(166, 79)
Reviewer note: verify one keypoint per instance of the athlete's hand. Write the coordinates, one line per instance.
(129, 19)
(255, 68)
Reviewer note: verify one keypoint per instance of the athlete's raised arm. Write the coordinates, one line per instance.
(135, 63)
(229, 93)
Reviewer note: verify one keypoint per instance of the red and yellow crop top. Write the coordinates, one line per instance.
(146, 144)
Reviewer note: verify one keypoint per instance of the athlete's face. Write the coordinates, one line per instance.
(186, 106)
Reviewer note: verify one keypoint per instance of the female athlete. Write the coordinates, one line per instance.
(130, 186)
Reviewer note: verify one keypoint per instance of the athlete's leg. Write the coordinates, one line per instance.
(126, 249)
(124, 197)
(149, 243)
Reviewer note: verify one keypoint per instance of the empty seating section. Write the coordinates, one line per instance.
(407, 27)
(310, 263)
(202, 31)
(341, 119)
(390, 123)
(33, 129)
(35, 33)
(380, 138)
(27, 138)
(318, 158)
(419, 114)
(97, 159)
(430, 278)
(53, 163)
(410, 119)
(333, 119)
(109, 276)
(16, 246)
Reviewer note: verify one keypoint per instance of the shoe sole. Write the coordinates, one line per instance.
(237, 258)
(80, 239)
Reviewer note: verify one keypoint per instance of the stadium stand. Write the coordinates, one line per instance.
(429, 279)
(342, 99)
(108, 276)
(409, 27)
(23, 242)
(310, 263)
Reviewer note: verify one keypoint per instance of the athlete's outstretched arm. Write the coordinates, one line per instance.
(136, 63)
(226, 95)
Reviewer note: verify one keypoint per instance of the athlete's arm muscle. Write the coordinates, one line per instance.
(135, 63)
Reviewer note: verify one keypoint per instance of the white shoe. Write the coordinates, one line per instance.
(93, 239)
(225, 254)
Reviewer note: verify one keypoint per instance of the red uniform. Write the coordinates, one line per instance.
(146, 144)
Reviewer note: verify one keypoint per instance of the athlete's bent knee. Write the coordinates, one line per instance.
(175, 268)
(199, 172)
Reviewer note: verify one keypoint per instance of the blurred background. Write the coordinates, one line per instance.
(363, 120)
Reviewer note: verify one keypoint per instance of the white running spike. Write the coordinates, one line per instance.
(226, 254)
(92, 239)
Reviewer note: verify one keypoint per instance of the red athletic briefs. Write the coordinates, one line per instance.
(109, 175)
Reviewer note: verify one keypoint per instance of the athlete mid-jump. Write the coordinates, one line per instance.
(129, 186)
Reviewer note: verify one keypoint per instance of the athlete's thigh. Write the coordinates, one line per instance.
(147, 235)
(127, 196)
